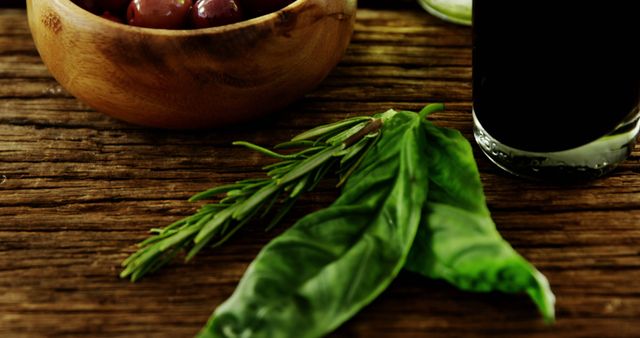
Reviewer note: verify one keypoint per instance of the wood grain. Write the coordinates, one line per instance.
(78, 189)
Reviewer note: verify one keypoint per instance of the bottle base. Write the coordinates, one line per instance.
(589, 161)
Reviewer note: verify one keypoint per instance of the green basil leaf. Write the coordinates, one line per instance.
(333, 262)
(457, 240)
(385, 152)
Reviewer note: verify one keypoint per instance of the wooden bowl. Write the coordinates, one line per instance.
(191, 78)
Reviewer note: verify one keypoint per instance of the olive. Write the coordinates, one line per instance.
(168, 14)
(107, 15)
(114, 6)
(211, 13)
(89, 5)
(261, 7)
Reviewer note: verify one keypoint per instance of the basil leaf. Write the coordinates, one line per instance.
(457, 241)
(333, 262)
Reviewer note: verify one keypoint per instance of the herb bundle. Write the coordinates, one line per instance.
(339, 147)
(412, 198)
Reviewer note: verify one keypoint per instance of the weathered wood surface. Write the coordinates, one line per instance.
(78, 189)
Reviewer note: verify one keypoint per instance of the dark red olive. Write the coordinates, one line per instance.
(168, 14)
(114, 6)
(212, 13)
(261, 7)
(107, 15)
(90, 5)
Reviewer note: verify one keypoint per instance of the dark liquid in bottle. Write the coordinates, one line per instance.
(551, 76)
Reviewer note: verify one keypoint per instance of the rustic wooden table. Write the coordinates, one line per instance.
(78, 189)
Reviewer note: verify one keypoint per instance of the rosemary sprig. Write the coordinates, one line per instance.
(337, 147)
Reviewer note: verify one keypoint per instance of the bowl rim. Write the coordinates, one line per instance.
(265, 19)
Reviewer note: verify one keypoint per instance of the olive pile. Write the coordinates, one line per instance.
(181, 14)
